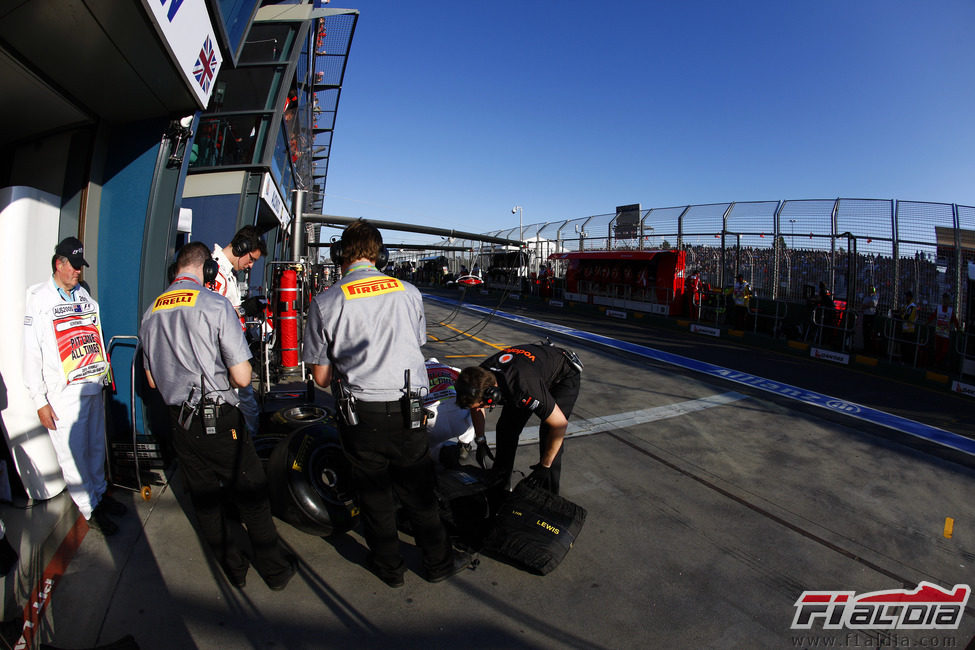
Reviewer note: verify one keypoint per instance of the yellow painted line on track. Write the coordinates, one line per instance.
(493, 345)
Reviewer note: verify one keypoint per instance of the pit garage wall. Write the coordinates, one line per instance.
(137, 219)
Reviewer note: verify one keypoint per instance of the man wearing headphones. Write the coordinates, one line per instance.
(239, 255)
(195, 354)
(525, 379)
(363, 339)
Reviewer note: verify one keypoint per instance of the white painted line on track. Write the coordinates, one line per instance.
(600, 424)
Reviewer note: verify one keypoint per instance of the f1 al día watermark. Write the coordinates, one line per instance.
(928, 607)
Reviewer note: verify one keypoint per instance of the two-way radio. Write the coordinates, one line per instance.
(412, 406)
(186, 410)
(209, 410)
(346, 404)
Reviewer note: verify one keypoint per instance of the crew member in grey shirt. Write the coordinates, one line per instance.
(195, 354)
(363, 339)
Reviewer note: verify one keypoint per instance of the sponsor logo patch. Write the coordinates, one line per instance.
(508, 355)
(177, 298)
(371, 287)
(530, 403)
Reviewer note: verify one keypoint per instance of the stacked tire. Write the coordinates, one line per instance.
(288, 419)
(281, 423)
(310, 480)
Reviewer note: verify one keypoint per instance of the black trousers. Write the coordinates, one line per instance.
(391, 461)
(227, 463)
(513, 420)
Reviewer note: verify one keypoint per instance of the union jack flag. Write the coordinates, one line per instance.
(206, 65)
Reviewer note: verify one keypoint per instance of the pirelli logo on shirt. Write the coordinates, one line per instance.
(178, 298)
(371, 287)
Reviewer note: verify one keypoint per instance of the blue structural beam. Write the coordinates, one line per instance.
(836, 405)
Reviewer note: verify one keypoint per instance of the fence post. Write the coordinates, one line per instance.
(680, 227)
(896, 251)
(777, 251)
(832, 247)
(958, 260)
(724, 229)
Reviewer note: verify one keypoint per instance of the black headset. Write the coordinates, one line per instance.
(491, 396)
(241, 244)
(210, 270)
(241, 248)
(335, 253)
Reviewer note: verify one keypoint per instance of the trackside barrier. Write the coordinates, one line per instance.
(712, 307)
(834, 327)
(965, 347)
(905, 344)
(775, 319)
(913, 428)
(817, 325)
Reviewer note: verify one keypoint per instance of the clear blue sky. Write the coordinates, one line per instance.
(454, 111)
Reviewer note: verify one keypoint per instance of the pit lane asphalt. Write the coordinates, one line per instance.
(705, 525)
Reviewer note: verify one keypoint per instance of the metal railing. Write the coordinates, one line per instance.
(780, 247)
(768, 321)
(784, 249)
(907, 346)
(833, 327)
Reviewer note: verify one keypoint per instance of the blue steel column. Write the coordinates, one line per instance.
(133, 191)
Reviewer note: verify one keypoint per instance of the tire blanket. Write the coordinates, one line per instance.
(534, 529)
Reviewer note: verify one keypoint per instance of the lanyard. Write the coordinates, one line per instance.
(361, 266)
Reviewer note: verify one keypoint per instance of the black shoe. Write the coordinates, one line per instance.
(100, 522)
(394, 580)
(112, 506)
(461, 561)
(237, 578)
(279, 583)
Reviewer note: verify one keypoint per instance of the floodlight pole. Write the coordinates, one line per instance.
(521, 239)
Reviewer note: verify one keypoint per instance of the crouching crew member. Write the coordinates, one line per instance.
(363, 339)
(195, 354)
(534, 378)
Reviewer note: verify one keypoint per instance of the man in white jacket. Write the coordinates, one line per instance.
(239, 255)
(65, 368)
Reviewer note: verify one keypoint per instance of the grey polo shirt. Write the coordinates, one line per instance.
(369, 327)
(189, 335)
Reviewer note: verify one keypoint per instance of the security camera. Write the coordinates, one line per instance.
(514, 210)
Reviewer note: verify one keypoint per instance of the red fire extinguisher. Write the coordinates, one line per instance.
(288, 318)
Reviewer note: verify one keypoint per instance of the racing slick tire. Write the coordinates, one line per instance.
(288, 419)
(264, 444)
(310, 481)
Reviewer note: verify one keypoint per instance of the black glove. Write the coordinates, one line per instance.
(540, 478)
(482, 451)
